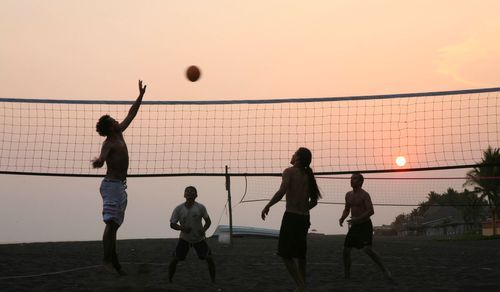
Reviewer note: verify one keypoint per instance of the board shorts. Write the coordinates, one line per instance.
(182, 249)
(292, 241)
(114, 198)
(359, 235)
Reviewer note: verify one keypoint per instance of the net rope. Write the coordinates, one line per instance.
(402, 189)
(433, 130)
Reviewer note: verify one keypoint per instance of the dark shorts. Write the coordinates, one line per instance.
(293, 236)
(182, 249)
(359, 235)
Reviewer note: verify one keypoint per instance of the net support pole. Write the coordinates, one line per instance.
(230, 208)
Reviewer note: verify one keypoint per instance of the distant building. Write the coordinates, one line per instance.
(487, 227)
(384, 230)
(444, 220)
(438, 220)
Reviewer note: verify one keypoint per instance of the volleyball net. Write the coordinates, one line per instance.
(435, 130)
(386, 189)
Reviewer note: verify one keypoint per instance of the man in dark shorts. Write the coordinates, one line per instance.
(360, 234)
(302, 194)
(187, 219)
(115, 153)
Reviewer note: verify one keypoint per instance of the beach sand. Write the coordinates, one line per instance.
(417, 264)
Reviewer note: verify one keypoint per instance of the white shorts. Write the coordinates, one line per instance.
(114, 199)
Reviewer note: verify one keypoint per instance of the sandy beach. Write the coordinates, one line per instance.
(417, 264)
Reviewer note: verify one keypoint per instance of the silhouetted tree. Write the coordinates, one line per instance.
(486, 182)
(467, 202)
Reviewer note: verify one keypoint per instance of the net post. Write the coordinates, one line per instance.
(230, 208)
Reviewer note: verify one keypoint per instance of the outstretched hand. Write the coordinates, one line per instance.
(142, 89)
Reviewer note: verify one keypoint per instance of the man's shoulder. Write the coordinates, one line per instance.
(107, 141)
(111, 141)
(291, 170)
(176, 214)
(179, 207)
(357, 194)
(365, 192)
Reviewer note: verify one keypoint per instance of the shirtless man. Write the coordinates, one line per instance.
(360, 234)
(302, 194)
(115, 153)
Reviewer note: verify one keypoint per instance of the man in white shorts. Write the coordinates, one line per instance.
(115, 153)
(187, 219)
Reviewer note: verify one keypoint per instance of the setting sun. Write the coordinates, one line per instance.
(401, 161)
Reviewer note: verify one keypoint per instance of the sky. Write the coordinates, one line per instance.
(246, 50)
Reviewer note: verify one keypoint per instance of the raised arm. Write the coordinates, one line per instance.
(134, 109)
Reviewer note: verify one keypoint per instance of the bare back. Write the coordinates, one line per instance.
(297, 191)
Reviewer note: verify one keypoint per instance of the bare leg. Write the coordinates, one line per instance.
(211, 268)
(295, 273)
(110, 260)
(376, 258)
(302, 269)
(347, 262)
(171, 269)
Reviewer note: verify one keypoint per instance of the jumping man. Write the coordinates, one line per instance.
(115, 153)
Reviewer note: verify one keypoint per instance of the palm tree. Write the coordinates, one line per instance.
(485, 179)
(472, 207)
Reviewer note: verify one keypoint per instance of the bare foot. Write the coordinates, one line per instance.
(110, 268)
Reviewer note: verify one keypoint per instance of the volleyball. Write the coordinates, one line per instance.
(193, 73)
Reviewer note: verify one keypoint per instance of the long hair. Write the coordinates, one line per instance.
(305, 157)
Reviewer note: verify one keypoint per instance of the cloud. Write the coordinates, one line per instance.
(476, 60)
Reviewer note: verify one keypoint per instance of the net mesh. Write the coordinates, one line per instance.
(345, 134)
(388, 189)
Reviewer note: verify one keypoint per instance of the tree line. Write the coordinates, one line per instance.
(473, 204)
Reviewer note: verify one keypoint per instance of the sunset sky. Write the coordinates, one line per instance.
(246, 50)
